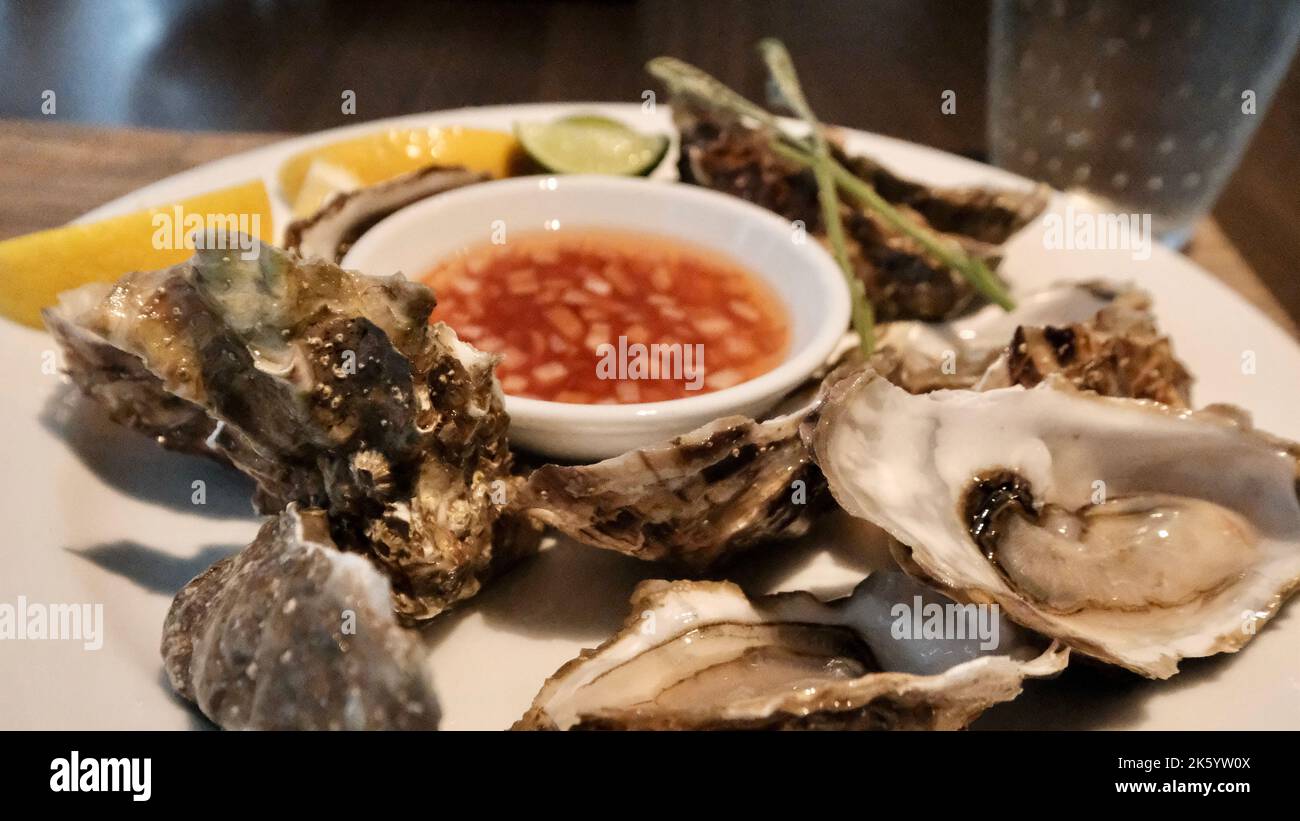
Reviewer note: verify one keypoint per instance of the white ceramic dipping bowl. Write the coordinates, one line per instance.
(800, 273)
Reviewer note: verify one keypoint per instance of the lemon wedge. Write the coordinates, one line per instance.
(323, 180)
(35, 268)
(382, 155)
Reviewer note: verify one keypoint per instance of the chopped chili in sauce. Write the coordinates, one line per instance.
(607, 317)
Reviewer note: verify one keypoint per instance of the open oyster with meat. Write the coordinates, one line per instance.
(703, 655)
(1108, 523)
(1040, 459)
(330, 389)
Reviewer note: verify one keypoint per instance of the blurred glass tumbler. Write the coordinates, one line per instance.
(1146, 104)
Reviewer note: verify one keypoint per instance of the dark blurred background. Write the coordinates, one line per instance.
(261, 65)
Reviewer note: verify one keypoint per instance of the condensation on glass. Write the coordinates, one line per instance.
(1147, 105)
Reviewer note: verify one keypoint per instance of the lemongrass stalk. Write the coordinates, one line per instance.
(685, 78)
(971, 267)
(690, 80)
(781, 68)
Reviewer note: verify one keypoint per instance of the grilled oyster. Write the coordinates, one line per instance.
(1100, 336)
(1118, 352)
(694, 501)
(293, 634)
(702, 655)
(330, 389)
(902, 280)
(956, 354)
(1137, 533)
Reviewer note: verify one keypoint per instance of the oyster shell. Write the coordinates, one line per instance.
(293, 634)
(1119, 352)
(1099, 336)
(119, 381)
(330, 389)
(901, 279)
(956, 354)
(1136, 533)
(330, 233)
(702, 655)
(699, 499)
(694, 501)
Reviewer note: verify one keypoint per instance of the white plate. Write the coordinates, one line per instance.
(95, 514)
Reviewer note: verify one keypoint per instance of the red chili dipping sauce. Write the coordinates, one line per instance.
(607, 317)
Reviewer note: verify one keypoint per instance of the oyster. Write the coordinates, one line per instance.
(119, 381)
(699, 499)
(956, 354)
(702, 655)
(1119, 352)
(694, 501)
(1099, 336)
(331, 232)
(1137, 533)
(330, 389)
(293, 634)
(902, 280)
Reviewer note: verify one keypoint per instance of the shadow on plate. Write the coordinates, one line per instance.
(1085, 697)
(581, 593)
(1092, 696)
(567, 591)
(137, 466)
(197, 720)
(150, 568)
(854, 547)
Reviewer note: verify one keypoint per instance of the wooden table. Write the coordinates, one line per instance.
(54, 172)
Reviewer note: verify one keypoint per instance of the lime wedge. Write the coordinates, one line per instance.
(591, 144)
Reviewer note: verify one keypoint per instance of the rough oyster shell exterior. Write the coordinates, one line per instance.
(326, 386)
(293, 634)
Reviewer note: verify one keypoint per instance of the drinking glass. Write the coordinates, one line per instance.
(1147, 105)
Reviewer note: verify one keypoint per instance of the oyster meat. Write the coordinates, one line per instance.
(1137, 533)
(292, 633)
(703, 655)
(330, 389)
